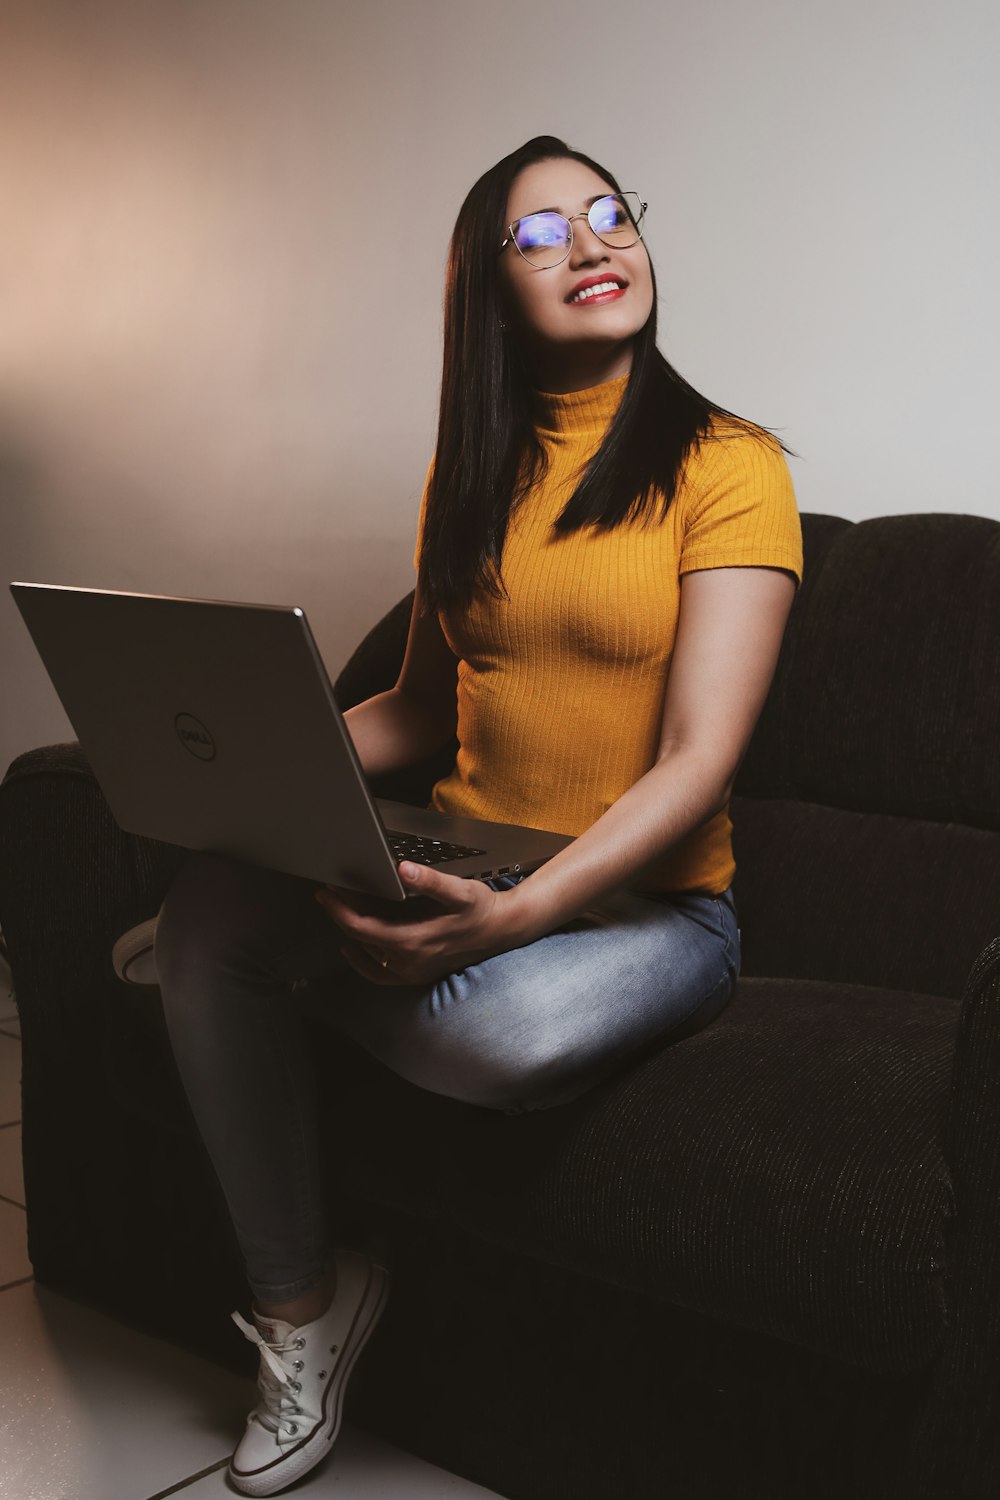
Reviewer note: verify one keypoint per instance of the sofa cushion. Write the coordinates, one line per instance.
(862, 897)
(887, 695)
(867, 815)
(781, 1170)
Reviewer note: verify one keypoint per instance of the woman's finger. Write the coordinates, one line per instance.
(364, 962)
(360, 925)
(334, 905)
(449, 891)
(370, 934)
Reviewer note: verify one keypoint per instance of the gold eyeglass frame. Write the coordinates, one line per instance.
(584, 213)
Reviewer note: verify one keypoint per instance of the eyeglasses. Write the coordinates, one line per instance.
(545, 239)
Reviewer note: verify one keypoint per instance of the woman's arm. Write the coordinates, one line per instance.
(417, 716)
(729, 635)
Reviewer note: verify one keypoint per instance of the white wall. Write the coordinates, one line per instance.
(208, 387)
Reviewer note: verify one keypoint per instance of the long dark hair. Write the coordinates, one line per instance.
(488, 453)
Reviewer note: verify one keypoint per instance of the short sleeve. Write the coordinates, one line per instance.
(422, 517)
(742, 510)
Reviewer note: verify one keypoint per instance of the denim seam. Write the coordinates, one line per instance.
(725, 978)
(729, 952)
(309, 1196)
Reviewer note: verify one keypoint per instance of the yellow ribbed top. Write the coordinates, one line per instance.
(561, 686)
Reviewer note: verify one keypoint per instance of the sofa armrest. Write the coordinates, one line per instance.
(71, 880)
(71, 883)
(972, 1140)
(972, 1123)
(107, 1138)
(963, 1405)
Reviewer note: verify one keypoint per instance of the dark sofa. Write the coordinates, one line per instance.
(763, 1262)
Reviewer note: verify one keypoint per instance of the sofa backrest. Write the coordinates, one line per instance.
(867, 810)
(866, 814)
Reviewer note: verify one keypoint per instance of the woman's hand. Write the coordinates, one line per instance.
(462, 922)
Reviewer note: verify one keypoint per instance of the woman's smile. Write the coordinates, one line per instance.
(593, 290)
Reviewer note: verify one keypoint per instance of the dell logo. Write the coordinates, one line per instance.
(194, 736)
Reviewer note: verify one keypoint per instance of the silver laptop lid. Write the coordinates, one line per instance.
(191, 711)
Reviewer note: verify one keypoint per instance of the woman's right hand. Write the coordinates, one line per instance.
(460, 923)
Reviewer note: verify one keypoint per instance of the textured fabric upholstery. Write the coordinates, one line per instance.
(806, 1116)
(869, 852)
(862, 898)
(763, 1262)
(888, 695)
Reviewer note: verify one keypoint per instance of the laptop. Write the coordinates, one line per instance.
(212, 725)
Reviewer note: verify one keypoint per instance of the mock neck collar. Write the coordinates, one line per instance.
(586, 413)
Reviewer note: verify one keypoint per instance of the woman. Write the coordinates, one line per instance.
(606, 565)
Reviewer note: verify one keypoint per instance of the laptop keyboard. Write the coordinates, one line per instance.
(426, 851)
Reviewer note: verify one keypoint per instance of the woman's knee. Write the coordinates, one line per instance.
(210, 914)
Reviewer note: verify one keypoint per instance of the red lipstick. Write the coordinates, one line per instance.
(610, 295)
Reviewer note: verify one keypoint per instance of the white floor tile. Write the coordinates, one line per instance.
(14, 1262)
(10, 1079)
(11, 1171)
(362, 1467)
(93, 1411)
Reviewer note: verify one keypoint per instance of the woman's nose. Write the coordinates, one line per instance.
(586, 248)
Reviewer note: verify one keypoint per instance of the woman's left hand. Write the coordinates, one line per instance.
(463, 922)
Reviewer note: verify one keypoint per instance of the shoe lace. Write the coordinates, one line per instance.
(276, 1381)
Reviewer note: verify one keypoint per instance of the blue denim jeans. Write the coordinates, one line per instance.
(242, 952)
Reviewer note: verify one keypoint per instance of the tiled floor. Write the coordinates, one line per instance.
(93, 1411)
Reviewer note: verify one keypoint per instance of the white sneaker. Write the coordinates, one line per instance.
(303, 1373)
